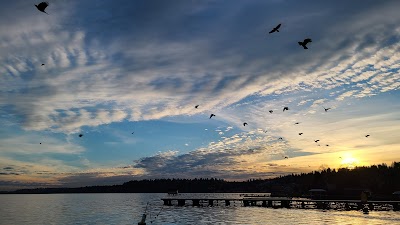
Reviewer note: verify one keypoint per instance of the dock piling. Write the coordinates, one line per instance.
(196, 202)
(181, 202)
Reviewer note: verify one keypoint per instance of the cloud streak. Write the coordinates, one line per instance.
(155, 61)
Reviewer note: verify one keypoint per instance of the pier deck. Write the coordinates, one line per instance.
(282, 202)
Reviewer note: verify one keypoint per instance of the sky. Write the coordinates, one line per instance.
(127, 74)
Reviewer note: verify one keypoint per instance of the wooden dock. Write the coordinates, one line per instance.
(277, 202)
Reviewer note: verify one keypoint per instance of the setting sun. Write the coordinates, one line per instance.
(349, 161)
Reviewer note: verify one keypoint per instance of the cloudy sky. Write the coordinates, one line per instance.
(127, 75)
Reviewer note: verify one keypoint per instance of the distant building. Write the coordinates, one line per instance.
(354, 193)
(317, 193)
(173, 192)
(396, 194)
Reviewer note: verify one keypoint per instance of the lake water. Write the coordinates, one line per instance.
(127, 209)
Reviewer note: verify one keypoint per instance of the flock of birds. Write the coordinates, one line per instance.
(285, 109)
(43, 5)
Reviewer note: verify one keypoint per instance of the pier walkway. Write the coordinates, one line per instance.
(283, 202)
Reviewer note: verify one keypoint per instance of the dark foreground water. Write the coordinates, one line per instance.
(128, 208)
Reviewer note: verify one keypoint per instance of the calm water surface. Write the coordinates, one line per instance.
(128, 208)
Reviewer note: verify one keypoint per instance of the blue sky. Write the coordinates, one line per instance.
(141, 66)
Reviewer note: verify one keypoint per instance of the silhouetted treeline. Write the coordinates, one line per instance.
(381, 180)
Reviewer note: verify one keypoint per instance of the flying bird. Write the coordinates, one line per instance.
(197, 106)
(244, 124)
(327, 145)
(300, 133)
(40, 143)
(285, 108)
(212, 115)
(270, 111)
(326, 109)
(296, 123)
(280, 138)
(42, 64)
(316, 141)
(42, 6)
(80, 135)
(286, 157)
(367, 135)
(276, 29)
(305, 42)
(133, 132)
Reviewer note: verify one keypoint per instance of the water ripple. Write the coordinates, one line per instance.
(56, 209)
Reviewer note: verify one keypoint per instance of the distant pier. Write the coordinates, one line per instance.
(276, 202)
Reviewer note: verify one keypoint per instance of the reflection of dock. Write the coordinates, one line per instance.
(285, 203)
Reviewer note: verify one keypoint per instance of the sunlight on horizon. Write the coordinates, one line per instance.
(349, 161)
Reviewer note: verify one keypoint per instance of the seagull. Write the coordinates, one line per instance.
(270, 111)
(42, 6)
(42, 64)
(197, 106)
(300, 133)
(305, 42)
(244, 124)
(316, 141)
(80, 135)
(326, 109)
(276, 29)
(212, 115)
(367, 135)
(285, 108)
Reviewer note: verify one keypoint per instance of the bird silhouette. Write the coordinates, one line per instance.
(276, 29)
(327, 145)
(42, 6)
(305, 42)
(300, 133)
(286, 157)
(244, 124)
(42, 64)
(80, 135)
(296, 123)
(40, 143)
(316, 141)
(285, 108)
(197, 106)
(133, 132)
(326, 109)
(280, 138)
(212, 115)
(367, 135)
(270, 111)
